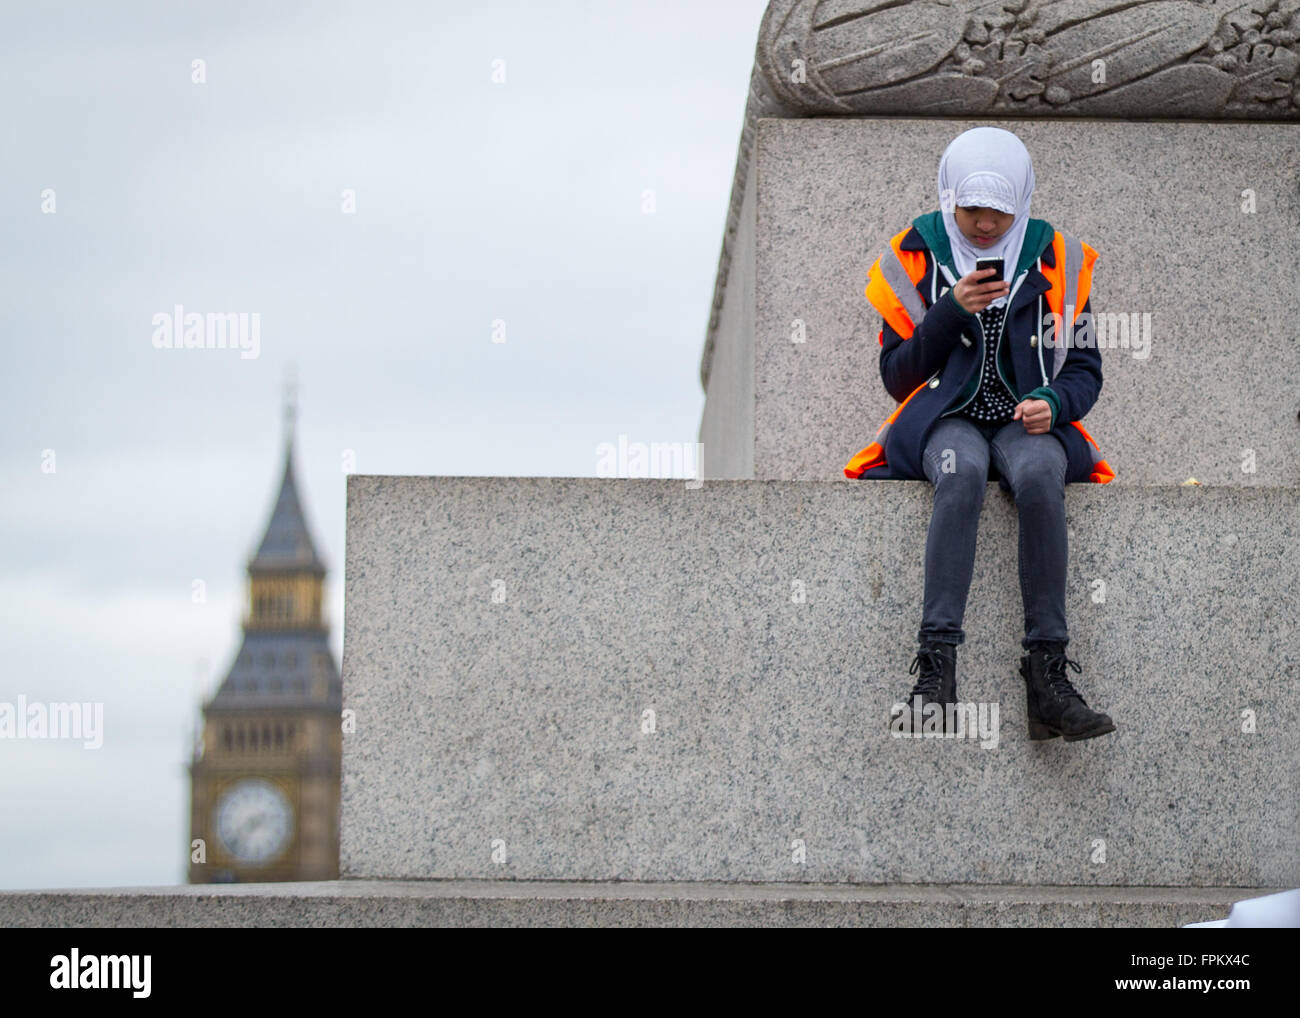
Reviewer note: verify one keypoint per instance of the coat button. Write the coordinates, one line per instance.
(1033, 340)
(933, 382)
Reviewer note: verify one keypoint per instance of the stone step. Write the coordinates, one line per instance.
(357, 903)
(588, 679)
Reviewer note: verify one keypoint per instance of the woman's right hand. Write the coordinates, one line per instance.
(973, 295)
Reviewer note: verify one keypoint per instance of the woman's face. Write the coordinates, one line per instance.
(980, 225)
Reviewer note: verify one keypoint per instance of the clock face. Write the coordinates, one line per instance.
(254, 820)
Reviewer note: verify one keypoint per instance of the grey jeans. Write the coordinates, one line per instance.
(957, 463)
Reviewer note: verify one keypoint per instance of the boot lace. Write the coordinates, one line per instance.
(930, 661)
(1055, 662)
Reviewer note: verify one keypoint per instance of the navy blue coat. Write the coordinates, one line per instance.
(935, 352)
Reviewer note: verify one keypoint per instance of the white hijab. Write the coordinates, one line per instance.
(990, 168)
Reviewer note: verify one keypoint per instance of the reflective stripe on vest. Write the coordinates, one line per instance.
(874, 454)
(1071, 281)
(891, 286)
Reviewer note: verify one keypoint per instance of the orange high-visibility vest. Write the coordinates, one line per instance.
(892, 289)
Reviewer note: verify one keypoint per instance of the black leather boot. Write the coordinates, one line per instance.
(937, 683)
(1055, 707)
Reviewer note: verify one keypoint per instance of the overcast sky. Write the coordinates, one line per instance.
(130, 472)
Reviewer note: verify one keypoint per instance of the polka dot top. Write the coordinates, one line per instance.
(993, 402)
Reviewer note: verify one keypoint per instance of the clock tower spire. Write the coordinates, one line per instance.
(265, 785)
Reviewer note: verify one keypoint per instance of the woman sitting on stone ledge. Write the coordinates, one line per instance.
(990, 388)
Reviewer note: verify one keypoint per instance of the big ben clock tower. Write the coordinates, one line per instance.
(264, 780)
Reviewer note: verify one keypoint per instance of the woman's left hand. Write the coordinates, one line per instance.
(1036, 413)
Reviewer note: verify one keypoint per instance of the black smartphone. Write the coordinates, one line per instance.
(990, 263)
